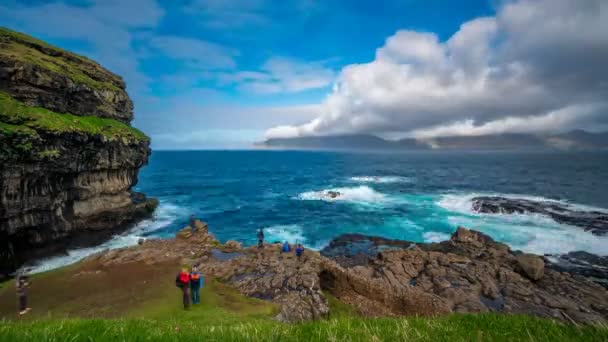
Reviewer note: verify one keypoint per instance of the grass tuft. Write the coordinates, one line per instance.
(17, 118)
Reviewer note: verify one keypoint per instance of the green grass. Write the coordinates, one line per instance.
(21, 47)
(17, 118)
(485, 327)
(139, 302)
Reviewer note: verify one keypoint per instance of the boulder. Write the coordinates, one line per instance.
(233, 245)
(531, 266)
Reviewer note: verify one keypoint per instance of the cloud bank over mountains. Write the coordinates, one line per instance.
(536, 66)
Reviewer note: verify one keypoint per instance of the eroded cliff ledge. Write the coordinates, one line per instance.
(68, 156)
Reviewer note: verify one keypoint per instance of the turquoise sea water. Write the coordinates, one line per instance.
(415, 196)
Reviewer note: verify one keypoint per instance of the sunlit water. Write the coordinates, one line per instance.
(419, 197)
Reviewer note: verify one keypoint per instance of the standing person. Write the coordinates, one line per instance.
(192, 223)
(22, 283)
(196, 283)
(286, 247)
(183, 282)
(260, 238)
(299, 250)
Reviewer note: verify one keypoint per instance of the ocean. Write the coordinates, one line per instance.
(421, 197)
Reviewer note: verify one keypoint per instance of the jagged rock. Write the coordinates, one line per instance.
(282, 278)
(582, 263)
(233, 245)
(63, 185)
(333, 194)
(532, 266)
(594, 221)
(470, 273)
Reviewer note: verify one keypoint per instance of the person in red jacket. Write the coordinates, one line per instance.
(183, 282)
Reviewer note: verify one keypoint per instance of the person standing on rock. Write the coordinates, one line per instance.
(196, 283)
(183, 282)
(260, 238)
(299, 250)
(192, 223)
(22, 283)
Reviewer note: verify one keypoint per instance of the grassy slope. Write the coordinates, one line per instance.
(16, 117)
(139, 302)
(23, 48)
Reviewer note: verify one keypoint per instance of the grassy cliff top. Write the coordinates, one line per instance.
(22, 48)
(16, 117)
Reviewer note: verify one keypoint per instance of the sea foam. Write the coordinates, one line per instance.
(289, 232)
(380, 179)
(529, 232)
(165, 215)
(360, 194)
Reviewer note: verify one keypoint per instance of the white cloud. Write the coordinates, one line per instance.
(535, 66)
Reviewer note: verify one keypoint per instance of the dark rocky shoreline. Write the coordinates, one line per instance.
(593, 221)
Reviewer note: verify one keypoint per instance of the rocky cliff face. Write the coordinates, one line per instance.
(68, 156)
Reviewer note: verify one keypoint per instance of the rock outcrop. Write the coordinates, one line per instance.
(68, 156)
(594, 221)
(473, 273)
(469, 273)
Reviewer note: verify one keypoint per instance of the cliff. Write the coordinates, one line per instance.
(68, 156)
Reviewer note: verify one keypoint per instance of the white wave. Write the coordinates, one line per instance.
(537, 235)
(380, 179)
(463, 203)
(290, 233)
(164, 216)
(435, 236)
(362, 194)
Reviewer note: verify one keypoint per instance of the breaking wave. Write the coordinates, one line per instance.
(529, 232)
(360, 194)
(291, 233)
(165, 215)
(380, 179)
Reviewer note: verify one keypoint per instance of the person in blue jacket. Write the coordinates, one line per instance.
(286, 247)
(196, 283)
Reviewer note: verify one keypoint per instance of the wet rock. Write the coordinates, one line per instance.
(356, 249)
(582, 263)
(532, 266)
(594, 221)
(333, 194)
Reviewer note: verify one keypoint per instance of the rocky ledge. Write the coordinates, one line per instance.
(68, 156)
(594, 221)
(468, 273)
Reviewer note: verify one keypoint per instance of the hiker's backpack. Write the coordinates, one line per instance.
(197, 278)
(184, 278)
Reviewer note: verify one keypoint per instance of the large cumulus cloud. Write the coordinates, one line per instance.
(537, 65)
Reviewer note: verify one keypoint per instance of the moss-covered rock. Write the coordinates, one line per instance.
(39, 74)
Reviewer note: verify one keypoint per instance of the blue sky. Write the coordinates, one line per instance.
(221, 73)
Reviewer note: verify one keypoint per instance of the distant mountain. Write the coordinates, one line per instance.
(579, 140)
(574, 140)
(332, 142)
(509, 141)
